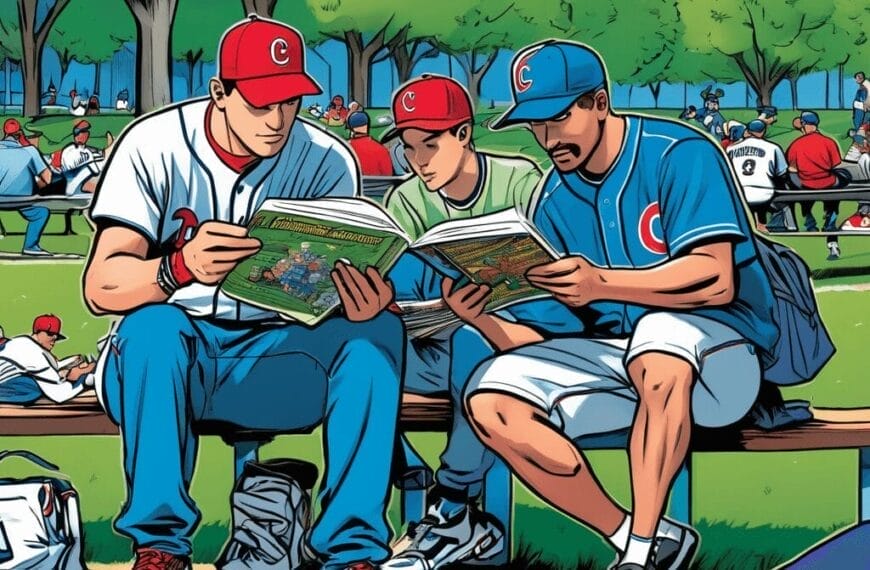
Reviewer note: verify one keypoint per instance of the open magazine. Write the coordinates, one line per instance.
(303, 239)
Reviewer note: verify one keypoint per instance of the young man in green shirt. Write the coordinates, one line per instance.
(453, 180)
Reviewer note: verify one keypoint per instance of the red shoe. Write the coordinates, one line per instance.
(362, 566)
(151, 559)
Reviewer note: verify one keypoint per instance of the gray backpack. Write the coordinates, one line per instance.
(804, 345)
(40, 524)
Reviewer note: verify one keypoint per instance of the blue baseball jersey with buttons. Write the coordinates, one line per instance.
(669, 190)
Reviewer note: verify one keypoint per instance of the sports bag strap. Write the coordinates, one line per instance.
(30, 456)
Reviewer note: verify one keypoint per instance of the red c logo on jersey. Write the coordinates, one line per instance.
(189, 222)
(645, 232)
(520, 69)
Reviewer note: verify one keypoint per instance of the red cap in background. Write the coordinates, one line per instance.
(49, 324)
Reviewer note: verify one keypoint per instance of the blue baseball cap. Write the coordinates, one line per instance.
(736, 132)
(809, 118)
(546, 78)
(357, 119)
(756, 126)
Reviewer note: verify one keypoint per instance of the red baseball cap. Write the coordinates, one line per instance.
(430, 103)
(49, 324)
(266, 59)
(11, 127)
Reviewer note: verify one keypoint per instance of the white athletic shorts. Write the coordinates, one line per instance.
(583, 384)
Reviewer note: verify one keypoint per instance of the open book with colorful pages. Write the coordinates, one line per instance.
(303, 239)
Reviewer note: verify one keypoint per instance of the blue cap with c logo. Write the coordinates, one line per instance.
(546, 78)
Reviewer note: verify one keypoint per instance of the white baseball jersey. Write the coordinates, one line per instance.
(756, 162)
(163, 164)
(23, 356)
(74, 156)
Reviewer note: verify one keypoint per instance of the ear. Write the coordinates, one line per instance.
(217, 93)
(602, 102)
(464, 134)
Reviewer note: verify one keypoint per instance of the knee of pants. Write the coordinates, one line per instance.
(385, 333)
(155, 329)
(367, 371)
(36, 214)
(468, 349)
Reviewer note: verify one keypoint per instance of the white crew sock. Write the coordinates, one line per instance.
(619, 539)
(637, 551)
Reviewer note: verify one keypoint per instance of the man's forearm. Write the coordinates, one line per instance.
(122, 283)
(505, 335)
(694, 280)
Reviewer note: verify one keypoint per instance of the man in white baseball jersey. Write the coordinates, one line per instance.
(760, 166)
(171, 224)
(29, 370)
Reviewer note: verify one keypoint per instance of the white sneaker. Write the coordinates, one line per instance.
(437, 541)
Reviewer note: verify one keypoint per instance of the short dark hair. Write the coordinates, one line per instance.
(861, 73)
(229, 85)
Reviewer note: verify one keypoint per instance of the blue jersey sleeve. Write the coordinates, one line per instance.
(36, 164)
(698, 197)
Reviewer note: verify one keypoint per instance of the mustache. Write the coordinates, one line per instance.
(569, 147)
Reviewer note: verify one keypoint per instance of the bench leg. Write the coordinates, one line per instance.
(414, 482)
(681, 494)
(498, 501)
(244, 451)
(864, 484)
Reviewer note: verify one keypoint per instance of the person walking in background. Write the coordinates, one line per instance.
(861, 103)
(373, 157)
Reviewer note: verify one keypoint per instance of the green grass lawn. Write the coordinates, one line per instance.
(754, 510)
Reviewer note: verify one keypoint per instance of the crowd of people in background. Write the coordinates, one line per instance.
(811, 162)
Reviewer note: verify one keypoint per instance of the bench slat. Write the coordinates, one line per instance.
(832, 428)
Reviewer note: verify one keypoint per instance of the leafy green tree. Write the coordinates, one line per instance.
(366, 27)
(33, 38)
(769, 40)
(197, 31)
(852, 20)
(89, 36)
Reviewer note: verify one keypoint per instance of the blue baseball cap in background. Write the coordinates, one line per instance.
(546, 78)
(809, 118)
(736, 132)
(357, 119)
(756, 126)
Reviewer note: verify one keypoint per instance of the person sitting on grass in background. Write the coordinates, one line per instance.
(434, 119)
(760, 166)
(373, 157)
(860, 152)
(815, 164)
(23, 172)
(736, 131)
(336, 114)
(768, 114)
(29, 370)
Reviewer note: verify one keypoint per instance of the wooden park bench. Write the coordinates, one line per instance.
(831, 429)
(66, 205)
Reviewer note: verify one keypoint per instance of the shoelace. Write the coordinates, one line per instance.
(149, 559)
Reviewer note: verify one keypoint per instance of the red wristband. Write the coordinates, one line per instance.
(180, 273)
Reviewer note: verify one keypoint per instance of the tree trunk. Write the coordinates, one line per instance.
(64, 66)
(262, 8)
(199, 77)
(97, 76)
(32, 42)
(655, 89)
(360, 57)
(475, 74)
(685, 94)
(840, 85)
(630, 89)
(792, 83)
(154, 24)
(191, 63)
(7, 79)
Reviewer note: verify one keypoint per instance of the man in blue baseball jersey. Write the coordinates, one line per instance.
(660, 266)
(171, 223)
(22, 171)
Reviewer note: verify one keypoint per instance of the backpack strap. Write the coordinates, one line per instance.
(30, 456)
